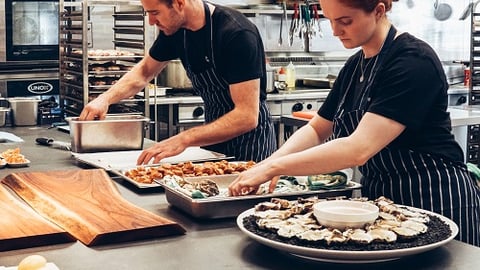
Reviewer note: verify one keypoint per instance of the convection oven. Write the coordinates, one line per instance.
(31, 30)
(29, 34)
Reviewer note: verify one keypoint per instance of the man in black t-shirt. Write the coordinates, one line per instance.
(223, 55)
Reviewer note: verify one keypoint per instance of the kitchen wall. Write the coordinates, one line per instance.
(449, 38)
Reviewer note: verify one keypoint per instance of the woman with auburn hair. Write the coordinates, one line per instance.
(386, 114)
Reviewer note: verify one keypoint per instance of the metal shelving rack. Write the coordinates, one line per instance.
(84, 72)
(473, 131)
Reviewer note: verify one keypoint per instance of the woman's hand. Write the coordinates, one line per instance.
(248, 181)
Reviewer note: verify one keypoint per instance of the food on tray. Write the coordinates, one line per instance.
(113, 67)
(143, 174)
(33, 262)
(125, 67)
(397, 226)
(99, 82)
(327, 181)
(97, 68)
(196, 189)
(13, 156)
(100, 52)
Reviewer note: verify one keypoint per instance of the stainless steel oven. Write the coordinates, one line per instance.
(29, 36)
(29, 48)
(31, 30)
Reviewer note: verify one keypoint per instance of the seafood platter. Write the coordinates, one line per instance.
(206, 197)
(296, 228)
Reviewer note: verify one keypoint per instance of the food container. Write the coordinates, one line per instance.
(4, 109)
(3, 115)
(175, 76)
(24, 110)
(114, 133)
(226, 206)
(341, 214)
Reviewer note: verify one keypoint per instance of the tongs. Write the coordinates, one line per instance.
(294, 25)
(315, 23)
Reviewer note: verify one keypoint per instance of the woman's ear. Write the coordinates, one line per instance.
(379, 10)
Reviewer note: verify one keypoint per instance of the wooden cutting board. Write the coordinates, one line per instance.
(22, 227)
(87, 204)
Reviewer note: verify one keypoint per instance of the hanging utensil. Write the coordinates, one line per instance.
(410, 4)
(307, 30)
(468, 10)
(316, 21)
(442, 11)
(280, 40)
(294, 23)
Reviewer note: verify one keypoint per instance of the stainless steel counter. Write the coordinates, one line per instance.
(179, 112)
(215, 244)
(463, 116)
(294, 95)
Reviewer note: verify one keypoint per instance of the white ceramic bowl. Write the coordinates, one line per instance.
(342, 214)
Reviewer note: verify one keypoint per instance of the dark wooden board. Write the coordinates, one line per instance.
(87, 204)
(22, 227)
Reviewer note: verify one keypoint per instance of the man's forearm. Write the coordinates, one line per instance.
(126, 87)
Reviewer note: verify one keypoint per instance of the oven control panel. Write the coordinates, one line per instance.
(190, 113)
(288, 107)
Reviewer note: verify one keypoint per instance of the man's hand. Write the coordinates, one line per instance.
(95, 110)
(166, 148)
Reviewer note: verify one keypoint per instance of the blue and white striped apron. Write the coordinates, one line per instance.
(256, 144)
(415, 179)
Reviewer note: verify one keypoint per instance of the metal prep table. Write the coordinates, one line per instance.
(213, 244)
(185, 111)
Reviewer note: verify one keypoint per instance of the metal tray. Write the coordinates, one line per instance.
(227, 207)
(120, 172)
(123, 160)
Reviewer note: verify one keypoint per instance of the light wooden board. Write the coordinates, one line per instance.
(87, 204)
(22, 227)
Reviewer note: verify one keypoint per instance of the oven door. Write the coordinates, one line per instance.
(31, 30)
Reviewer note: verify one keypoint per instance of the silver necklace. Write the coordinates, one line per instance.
(364, 69)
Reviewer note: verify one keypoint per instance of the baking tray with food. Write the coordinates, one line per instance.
(13, 159)
(207, 197)
(146, 176)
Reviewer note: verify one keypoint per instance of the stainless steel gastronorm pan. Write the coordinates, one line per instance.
(114, 133)
(225, 207)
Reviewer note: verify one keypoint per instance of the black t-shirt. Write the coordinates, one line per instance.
(237, 48)
(410, 88)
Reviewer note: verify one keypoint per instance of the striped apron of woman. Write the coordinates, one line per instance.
(412, 178)
(256, 144)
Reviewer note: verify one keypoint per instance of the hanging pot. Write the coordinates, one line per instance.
(442, 11)
(175, 76)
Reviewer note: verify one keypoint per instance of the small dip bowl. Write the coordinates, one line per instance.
(342, 214)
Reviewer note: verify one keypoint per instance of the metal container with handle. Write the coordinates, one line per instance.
(174, 76)
(114, 133)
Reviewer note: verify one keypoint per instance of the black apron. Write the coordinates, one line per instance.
(409, 177)
(254, 145)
